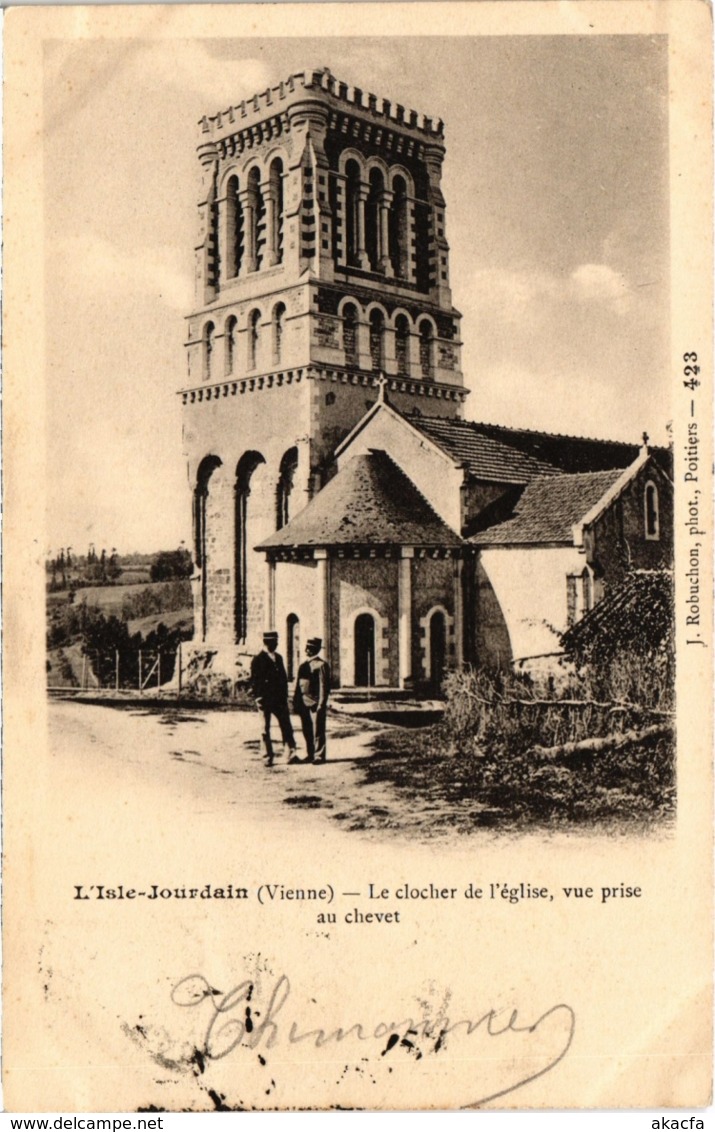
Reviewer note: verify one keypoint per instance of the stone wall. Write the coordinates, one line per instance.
(266, 423)
(617, 540)
(361, 586)
(492, 646)
(217, 569)
(433, 588)
(297, 594)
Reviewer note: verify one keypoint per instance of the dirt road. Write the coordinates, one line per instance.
(210, 763)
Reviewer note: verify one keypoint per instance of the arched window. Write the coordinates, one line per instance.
(350, 344)
(289, 463)
(587, 589)
(212, 256)
(244, 472)
(652, 511)
(373, 241)
(209, 343)
(234, 230)
(279, 313)
(572, 596)
(426, 349)
(255, 234)
(254, 333)
(206, 469)
(580, 595)
(352, 207)
(276, 186)
(377, 340)
(402, 345)
(230, 333)
(399, 237)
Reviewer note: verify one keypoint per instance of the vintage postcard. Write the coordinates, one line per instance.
(358, 557)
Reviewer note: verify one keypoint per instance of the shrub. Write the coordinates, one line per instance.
(624, 647)
(508, 711)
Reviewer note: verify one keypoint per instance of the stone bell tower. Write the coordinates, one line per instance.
(321, 262)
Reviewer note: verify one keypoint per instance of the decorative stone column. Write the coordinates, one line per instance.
(389, 354)
(248, 206)
(205, 267)
(360, 251)
(341, 196)
(438, 247)
(410, 246)
(414, 353)
(223, 244)
(458, 614)
(404, 615)
(270, 251)
(270, 594)
(323, 611)
(384, 261)
(362, 338)
(228, 221)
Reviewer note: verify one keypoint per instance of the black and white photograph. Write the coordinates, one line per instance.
(359, 594)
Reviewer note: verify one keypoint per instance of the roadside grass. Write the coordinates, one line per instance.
(631, 788)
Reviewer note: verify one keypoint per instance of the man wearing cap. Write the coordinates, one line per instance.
(311, 700)
(269, 684)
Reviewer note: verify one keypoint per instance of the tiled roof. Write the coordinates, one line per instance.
(548, 508)
(369, 502)
(567, 453)
(486, 457)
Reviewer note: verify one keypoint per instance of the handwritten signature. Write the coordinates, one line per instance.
(237, 1019)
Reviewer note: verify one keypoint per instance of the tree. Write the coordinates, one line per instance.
(113, 568)
(170, 564)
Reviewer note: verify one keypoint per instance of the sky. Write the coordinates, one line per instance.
(556, 182)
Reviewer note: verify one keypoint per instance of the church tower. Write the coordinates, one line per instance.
(321, 262)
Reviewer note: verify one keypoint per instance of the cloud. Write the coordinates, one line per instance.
(519, 295)
(599, 283)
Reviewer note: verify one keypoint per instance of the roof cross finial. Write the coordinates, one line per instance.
(646, 438)
(381, 383)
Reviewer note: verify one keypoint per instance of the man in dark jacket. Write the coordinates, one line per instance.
(311, 700)
(269, 684)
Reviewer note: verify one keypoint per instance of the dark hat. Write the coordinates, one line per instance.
(272, 636)
(314, 643)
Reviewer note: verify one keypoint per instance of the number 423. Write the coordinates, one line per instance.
(691, 370)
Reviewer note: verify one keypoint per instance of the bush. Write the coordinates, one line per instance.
(625, 647)
(508, 711)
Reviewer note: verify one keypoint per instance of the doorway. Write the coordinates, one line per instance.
(437, 648)
(365, 650)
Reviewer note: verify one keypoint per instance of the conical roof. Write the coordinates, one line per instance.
(370, 502)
